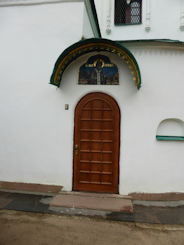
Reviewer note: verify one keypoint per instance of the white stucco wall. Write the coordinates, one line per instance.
(159, 168)
(36, 130)
(32, 38)
(146, 165)
(164, 17)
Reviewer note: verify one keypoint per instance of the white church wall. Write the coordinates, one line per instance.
(150, 165)
(33, 35)
(146, 165)
(160, 20)
(36, 130)
(32, 38)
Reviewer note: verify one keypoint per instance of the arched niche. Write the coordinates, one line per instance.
(171, 129)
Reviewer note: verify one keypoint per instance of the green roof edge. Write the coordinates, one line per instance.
(92, 9)
(151, 40)
(93, 40)
(169, 138)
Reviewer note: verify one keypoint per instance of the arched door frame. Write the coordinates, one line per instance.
(110, 186)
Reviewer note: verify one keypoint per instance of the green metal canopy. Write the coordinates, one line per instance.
(94, 45)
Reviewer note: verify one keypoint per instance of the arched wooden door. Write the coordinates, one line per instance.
(96, 144)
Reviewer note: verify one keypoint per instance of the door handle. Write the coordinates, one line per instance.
(76, 149)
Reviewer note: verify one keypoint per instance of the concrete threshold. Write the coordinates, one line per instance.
(92, 201)
(94, 194)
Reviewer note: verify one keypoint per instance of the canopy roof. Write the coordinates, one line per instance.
(94, 45)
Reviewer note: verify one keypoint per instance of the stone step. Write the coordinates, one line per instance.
(91, 201)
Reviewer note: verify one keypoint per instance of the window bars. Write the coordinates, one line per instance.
(128, 12)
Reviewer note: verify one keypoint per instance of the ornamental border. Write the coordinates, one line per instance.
(98, 45)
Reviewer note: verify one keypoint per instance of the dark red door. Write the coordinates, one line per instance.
(96, 144)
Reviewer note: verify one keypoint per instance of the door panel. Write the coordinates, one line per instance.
(96, 144)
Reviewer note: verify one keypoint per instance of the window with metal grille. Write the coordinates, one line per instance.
(127, 12)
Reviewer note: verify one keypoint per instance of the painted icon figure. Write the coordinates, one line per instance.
(98, 70)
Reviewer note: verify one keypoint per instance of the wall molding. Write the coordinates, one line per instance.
(169, 138)
(154, 45)
(108, 18)
(181, 15)
(148, 16)
(6, 3)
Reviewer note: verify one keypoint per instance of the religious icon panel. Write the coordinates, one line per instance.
(99, 70)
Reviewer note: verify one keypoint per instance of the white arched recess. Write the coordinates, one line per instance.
(170, 129)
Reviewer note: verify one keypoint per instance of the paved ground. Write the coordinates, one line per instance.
(173, 214)
(20, 228)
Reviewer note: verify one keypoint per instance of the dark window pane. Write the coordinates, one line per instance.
(127, 13)
(120, 11)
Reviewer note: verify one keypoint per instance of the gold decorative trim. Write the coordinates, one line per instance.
(76, 52)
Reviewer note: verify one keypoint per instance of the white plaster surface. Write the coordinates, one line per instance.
(32, 2)
(32, 38)
(165, 21)
(37, 132)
